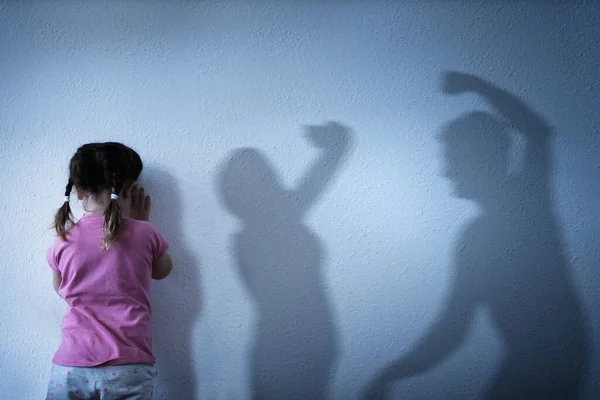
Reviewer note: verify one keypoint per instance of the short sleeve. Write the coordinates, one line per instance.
(160, 245)
(52, 256)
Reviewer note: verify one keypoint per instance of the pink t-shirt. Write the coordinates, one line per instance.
(108, 293)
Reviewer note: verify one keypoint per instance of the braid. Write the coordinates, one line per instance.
(113, 216)
(69, 188)
(116, 185)
(63, 220)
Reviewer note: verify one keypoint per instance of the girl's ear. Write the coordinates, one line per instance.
(79, 193)
(127, 191)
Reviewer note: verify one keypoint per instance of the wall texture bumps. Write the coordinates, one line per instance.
(311, 255)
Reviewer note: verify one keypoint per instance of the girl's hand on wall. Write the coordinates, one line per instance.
(140, 204)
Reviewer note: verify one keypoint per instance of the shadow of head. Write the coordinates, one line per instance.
(476, 149)
(248, 185)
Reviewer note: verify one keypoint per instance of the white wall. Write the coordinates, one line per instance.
(187, 83)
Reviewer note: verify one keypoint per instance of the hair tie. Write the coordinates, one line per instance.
(67, 199)
(114, 196)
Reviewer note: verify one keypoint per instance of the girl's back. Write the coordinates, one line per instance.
(108, 292)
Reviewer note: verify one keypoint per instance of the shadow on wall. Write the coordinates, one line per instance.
(176, 300)
(509, 259)
(280, 261)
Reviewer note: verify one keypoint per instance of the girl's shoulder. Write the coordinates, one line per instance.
(144, 229)
(141, 225)
(58, 242)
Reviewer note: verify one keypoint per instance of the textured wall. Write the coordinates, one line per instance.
(304, 243)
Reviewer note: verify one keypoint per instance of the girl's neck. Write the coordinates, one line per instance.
(97, 204)
(93, 212)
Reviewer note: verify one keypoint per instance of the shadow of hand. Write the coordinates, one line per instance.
(329, 136)
(454, 82)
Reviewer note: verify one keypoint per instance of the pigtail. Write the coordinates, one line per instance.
(63, 220)
(113, 217)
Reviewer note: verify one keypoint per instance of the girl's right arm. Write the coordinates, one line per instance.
(162, 267)
(140, 210)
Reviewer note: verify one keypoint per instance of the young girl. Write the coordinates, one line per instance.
(103, 267)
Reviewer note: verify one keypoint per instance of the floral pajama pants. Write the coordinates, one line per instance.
(118, 382)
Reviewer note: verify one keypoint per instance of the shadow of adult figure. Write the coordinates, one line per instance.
(509, 259)
(177, 299)
(280, 261)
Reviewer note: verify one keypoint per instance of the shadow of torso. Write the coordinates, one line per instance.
(516, 267)
(280, 262)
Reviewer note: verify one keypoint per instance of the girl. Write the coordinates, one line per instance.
(103, 267)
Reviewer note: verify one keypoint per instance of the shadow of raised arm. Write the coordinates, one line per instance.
(536, 163)
(334, 140)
